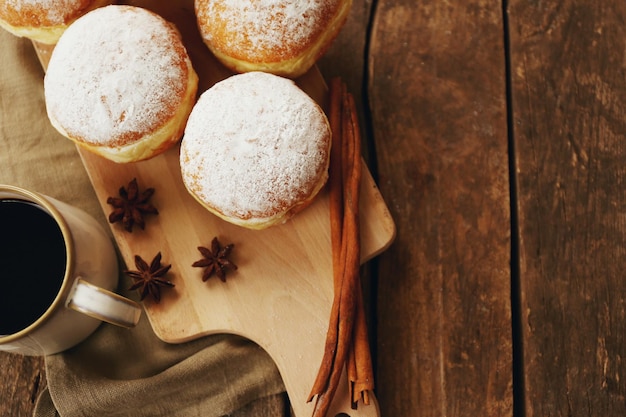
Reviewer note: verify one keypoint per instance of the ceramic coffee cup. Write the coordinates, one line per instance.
(58, 272)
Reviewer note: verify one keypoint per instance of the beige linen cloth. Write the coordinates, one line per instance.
(115, 372)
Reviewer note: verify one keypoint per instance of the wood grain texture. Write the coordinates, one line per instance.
(346, 58)
(23, 378)
(568, 65)
(437, 98)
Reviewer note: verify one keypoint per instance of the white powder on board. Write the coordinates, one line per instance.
(254, 28)
(254, 146)
(114, 74)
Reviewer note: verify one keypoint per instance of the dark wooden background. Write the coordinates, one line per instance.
(496, 133)
(568, 87)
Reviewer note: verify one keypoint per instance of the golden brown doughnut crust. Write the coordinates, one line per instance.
(284, 38)
(43, 20)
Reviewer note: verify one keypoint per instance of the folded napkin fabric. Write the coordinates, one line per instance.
(115, 372)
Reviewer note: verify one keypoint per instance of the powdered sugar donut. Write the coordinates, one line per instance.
(43, 20)
(284, 37)
(120, 83)
(255, 150)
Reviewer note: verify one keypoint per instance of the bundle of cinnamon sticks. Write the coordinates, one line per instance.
(347, 344)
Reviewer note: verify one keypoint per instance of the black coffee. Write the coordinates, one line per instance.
(32, 263)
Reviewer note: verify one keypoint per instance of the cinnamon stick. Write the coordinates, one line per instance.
(335, 189)
(347, 344)
(359, 368)
(350, 257)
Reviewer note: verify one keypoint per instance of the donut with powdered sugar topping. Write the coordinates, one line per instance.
(255, 150)
(120, 83)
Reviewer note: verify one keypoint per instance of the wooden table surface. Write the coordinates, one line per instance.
(496, 133)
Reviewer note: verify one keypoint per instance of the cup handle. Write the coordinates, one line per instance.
(102, 304)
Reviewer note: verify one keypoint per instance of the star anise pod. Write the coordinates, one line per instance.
(131, 206)
(148, 278)
(215, 260)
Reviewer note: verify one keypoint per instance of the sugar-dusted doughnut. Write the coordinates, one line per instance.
(120, 83)
(43, 20)
(255, 150)
(283, 37)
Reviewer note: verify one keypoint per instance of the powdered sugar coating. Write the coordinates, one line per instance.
(254, 147)
(257, 30)
(42, 12)
(116, 74)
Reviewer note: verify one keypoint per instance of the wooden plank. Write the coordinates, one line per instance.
(437, 97)
(346, 56)
(23, 378)
(568, 67)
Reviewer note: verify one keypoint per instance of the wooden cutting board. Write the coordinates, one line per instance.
(281, 295)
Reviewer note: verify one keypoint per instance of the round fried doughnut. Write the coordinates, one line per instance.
(43, 20)
(255, 150)
(283, 37)
(120, 83)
